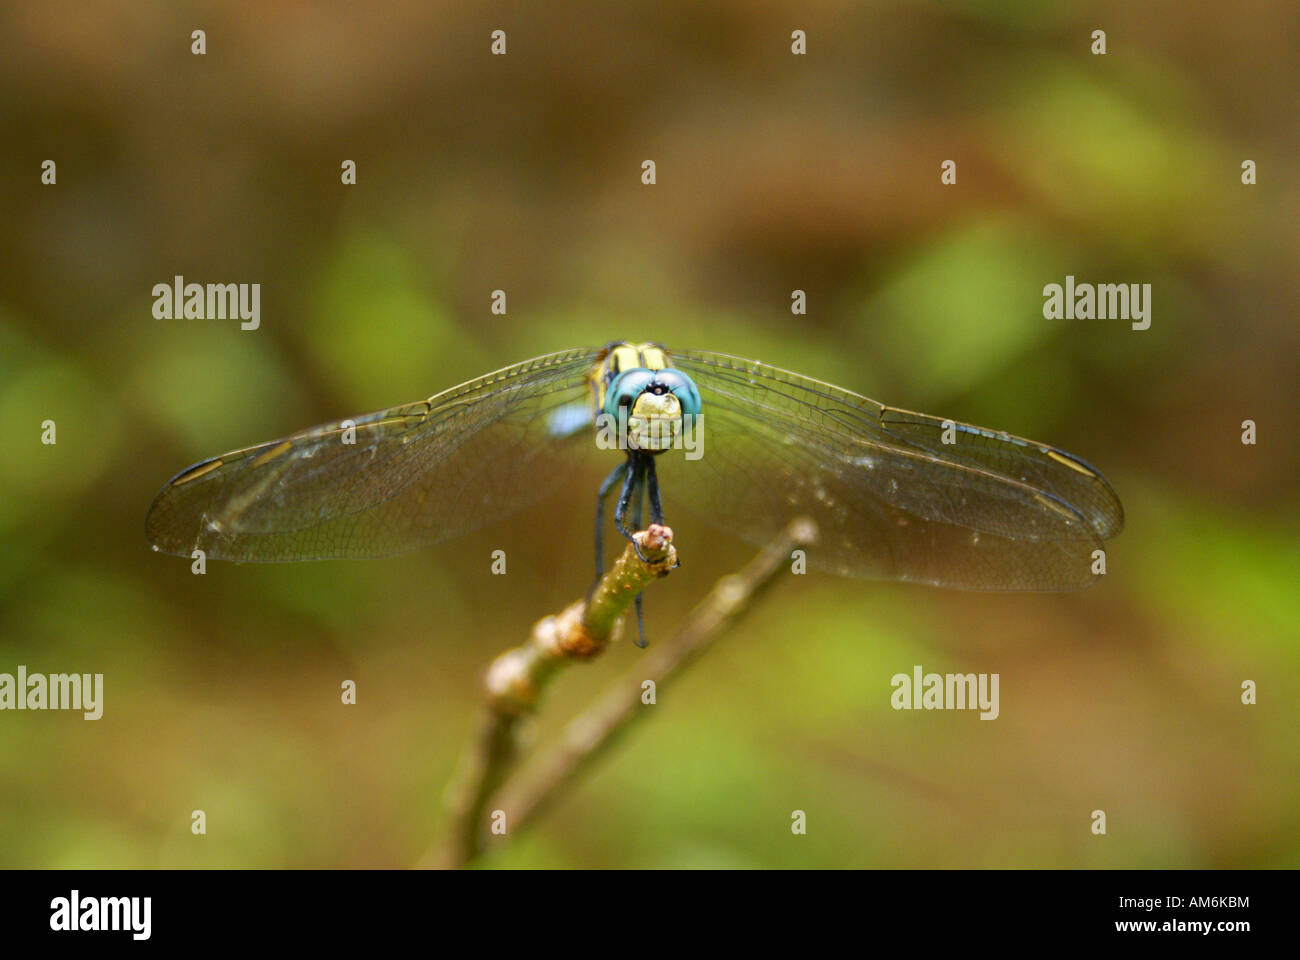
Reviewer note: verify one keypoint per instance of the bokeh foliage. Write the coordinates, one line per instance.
(774, 173)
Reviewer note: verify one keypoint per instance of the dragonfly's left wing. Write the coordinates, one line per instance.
(892, 497)
(390, 481)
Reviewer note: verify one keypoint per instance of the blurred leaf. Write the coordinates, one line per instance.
(376, 332)
(216, 389)
(963, 306)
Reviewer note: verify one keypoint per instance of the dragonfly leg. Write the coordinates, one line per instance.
(652, 489)
(606, 485)
(638, 509)
(641, 641)
(631, 485)
(638, 500)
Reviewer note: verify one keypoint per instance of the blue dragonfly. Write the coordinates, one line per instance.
(896, 495)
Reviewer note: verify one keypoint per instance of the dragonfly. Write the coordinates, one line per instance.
(748, 447)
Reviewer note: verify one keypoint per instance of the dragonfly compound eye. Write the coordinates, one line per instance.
(625, 388)
(683, 388)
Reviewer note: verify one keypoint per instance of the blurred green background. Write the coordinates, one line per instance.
(775, 172)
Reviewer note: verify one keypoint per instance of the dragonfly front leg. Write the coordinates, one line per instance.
(631, 484)
(652, 489)
(638, 508)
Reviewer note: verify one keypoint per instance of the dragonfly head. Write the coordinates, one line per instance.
(654, 404)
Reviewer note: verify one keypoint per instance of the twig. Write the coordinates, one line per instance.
(589, 734)
(517, 678)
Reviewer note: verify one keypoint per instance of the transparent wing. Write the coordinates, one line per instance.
(989, 511)
(392, 481)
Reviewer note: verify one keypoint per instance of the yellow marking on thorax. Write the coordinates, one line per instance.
(625, 356)
(653, 356)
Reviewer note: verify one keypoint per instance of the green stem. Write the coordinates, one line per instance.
(518, 677)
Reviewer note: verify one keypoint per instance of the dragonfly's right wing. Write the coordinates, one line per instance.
(392, 481)
(892, 499)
